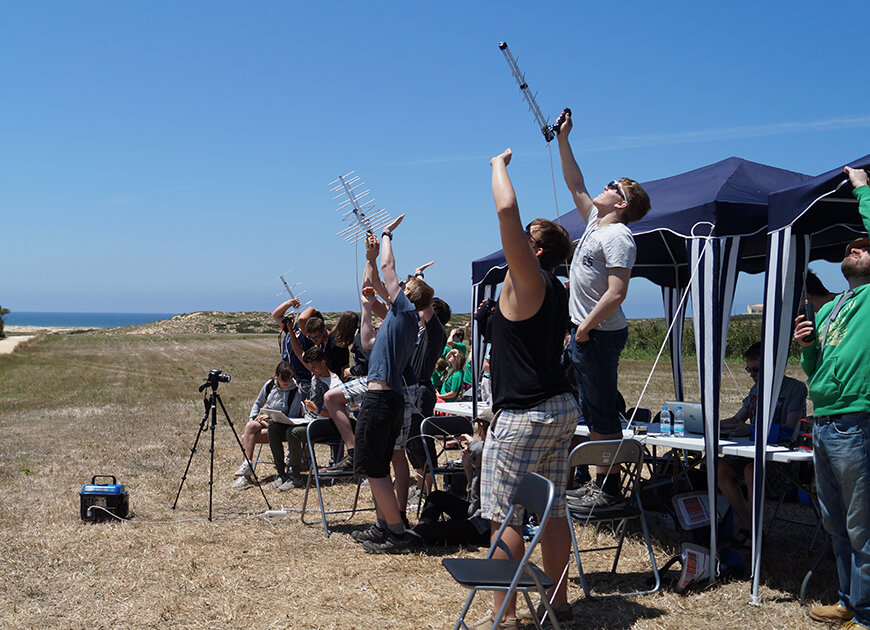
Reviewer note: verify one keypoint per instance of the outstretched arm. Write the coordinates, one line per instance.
(571, 171)
(524, 287)
(294, 342)
(388, 260)
(366, 332)
(371, 278)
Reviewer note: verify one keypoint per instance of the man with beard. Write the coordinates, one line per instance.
(837, 361)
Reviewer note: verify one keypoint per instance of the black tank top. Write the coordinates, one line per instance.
(525, 356)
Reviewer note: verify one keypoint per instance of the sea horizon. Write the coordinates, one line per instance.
(81, 319)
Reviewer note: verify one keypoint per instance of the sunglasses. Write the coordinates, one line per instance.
(614, 184)
(752, 370)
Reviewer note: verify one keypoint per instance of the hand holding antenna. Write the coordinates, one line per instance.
(563, 124)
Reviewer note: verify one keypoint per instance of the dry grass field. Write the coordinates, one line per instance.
(75, 405)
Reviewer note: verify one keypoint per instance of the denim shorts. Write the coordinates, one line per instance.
(595, 368)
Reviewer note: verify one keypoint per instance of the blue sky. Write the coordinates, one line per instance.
(172, 157)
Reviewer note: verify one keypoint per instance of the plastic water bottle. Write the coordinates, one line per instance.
(665, 420)
(679, 423)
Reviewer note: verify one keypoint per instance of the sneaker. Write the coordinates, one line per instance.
(242, 482)
(565, 613)
(244, 470)
(507, 623)
(279, 481)
(345, 465)
(854, 625)
(582, 491)
(290, 483)
(831, 614)
(372, 533)
(597, 499)
(391, 544)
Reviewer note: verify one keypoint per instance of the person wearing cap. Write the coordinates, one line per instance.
(836, 361)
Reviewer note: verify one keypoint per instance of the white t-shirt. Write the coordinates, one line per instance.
(599, 249)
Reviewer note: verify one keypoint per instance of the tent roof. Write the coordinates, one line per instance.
(822, 206)
(731, 194)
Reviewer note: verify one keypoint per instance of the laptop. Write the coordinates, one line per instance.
(693, 415)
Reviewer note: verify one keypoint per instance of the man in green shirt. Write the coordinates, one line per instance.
(837, 362)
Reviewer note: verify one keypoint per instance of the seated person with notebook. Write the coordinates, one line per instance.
(790, 408)
(278, 393)
(295, 434)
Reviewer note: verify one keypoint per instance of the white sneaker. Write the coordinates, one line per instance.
(244, 470)
(242, 482)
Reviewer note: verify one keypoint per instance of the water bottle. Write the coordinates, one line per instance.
(665, 421)
(679, 423)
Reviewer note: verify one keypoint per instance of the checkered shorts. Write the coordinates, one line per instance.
(524, 441)
(354, 390)
(412, 403)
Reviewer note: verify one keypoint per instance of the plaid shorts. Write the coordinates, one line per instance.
(354, 390)
(525, 441)
(411, 394)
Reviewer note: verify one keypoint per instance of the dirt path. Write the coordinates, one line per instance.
(8, 344)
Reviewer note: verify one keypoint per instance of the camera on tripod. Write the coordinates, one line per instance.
(214, 378)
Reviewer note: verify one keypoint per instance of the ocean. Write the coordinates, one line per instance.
(89, 320)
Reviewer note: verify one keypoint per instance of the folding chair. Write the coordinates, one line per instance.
(441, 429)
(535, 494)
(629, 454)
(323, 431)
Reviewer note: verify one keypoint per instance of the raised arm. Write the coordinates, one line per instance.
(388, 261)
(366, 332)
(294, 343)
(859, 179)
(278, 313)
(571, 171)
(371, 278)
(524, 287)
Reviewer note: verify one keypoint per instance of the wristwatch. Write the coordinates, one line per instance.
(388, 234)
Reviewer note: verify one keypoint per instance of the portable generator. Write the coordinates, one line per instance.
(99, 501)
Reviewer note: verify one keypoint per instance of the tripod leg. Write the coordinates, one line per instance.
(190, 459)
(211, 453)
(242, 448)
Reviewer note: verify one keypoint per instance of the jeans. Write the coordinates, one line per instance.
(595, 368)
(841, 453)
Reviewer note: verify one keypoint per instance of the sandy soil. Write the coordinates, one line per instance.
(20, 334)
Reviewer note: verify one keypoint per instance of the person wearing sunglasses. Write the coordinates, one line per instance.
(599, 275)
(791, 406)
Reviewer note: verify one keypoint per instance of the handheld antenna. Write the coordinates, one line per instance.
(358, 208)
(293, 296)
(547, 129)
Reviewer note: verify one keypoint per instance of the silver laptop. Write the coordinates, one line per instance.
(693, 415)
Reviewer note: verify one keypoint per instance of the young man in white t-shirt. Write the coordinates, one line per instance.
(599, 276)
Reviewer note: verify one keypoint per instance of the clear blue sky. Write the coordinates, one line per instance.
(171, 157)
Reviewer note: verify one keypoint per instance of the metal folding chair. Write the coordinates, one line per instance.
(630, 455)
(323, 431)
(534, 494)
(436, 431)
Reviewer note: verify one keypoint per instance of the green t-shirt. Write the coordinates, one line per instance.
(453, 383)
(457, 345)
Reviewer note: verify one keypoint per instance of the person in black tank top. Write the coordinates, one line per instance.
(536, 414)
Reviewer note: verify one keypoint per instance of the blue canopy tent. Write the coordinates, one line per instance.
(813, 220)
(713, 218)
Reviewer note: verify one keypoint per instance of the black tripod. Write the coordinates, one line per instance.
(211, 402)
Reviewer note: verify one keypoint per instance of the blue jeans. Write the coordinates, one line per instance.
(841, 453)
(595, 367)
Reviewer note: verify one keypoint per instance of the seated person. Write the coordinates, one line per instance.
(452, 388)
(790, 408)
(464, 526)
(289, 475)
(278, 393)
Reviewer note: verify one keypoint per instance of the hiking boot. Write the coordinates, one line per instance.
(345, 465)
(391, 544)
(831, 614)
(242, 482)
(565, 613)
(507, 623)
(244, 470)
(372, 533)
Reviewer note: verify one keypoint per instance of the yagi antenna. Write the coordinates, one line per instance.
(289, 289)
(547, 129)
(358, 208)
